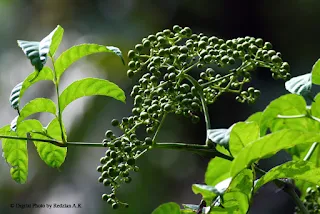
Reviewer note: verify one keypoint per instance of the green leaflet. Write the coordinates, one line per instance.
(208, 192)
(269, 145)
(243, 182)
(19, 90)
(300, 170)
(37, 105)
(37, 52)
(167, 208)
(290, 105)
(74, 53)
(316, 73)
(217, 170)
(315, 106)
(16, 155)
(52, 155)
(89, 87)
(56, 40)
(256, 117)
(242, 134)
(15, 151)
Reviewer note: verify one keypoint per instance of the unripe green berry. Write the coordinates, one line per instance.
(108, 134)
(131, 54)
(115, 122)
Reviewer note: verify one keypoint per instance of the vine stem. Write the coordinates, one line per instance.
(288, 188)
(203, 103)
(196, 148)
(310, 152)
(56, 84)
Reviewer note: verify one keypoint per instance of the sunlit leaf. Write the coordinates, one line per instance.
(315, 106)
(208, 192)
(316, 73)
(89, 87)
(242, 134)
(16, 155)
(56, 39)
(300, 170)
(37, 105)
(75, 53)
(292, 109)
(52, 155)
(269, 145)
(217, 170)
(167, 208)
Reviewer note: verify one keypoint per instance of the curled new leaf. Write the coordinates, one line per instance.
(89, 87)
(37, 51)
(300, 170)
(75, 53)
(300, 85)
(19, 90)
(269, 145)
(220, 136)
(15, 96)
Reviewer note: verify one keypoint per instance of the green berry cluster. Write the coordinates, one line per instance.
(311, 201)
(120, 158)
(163, 62)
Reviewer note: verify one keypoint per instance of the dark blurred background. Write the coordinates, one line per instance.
(291, 26)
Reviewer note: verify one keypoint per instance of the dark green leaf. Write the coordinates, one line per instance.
(89, 87)
(316, 73)
(75, 53)
(269, 145)
(167, 208)
(300, 170)
(217, 170)
(241, 135)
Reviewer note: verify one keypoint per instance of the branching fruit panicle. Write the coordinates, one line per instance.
(165, 85)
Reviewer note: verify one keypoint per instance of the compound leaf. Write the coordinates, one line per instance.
(89, 87)
(269, 145)
(56, 40)
(242, 134)
(75, 53)
(300, 170)
(37, 105)
(52, 155)
(217, 170)
(316, 73)
(167, 208)
(19, 90)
